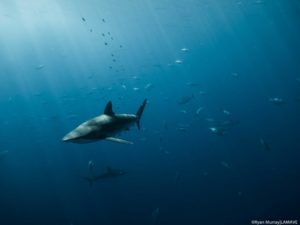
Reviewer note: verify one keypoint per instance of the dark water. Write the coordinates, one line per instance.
(215, 146)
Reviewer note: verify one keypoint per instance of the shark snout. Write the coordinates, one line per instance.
(70, 136)
(66, 138)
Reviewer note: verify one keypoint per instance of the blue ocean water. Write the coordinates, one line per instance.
(219, 142)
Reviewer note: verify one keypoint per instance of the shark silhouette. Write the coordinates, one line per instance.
(108, 173)
(105, 126)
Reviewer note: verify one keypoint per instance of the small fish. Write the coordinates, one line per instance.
(199, 110)
(90, 76)
(39, 67)
(182, 129)
(103, 20)
(136, 89)
(184, 49)
(192, 84)
(226, 112)
(264, 144)
(162, 150)
(277, 101)
(235, 74)
(202, 93)
(83, 19)
(218, 130)
(149, 86)
(225, 164)
(210, 120)
(178, 61)
(185, 99)
(91, 166)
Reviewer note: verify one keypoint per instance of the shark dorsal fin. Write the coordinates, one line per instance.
(108, 109)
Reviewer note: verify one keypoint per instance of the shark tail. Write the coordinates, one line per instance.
(140, 113)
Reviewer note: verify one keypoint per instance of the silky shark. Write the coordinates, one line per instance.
(105, 126)
(108, 173)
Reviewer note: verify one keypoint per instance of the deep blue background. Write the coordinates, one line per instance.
(57, 71)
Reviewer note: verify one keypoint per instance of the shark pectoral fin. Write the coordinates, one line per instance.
(118, 140)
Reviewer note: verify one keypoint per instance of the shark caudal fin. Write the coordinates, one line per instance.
(140, 113)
